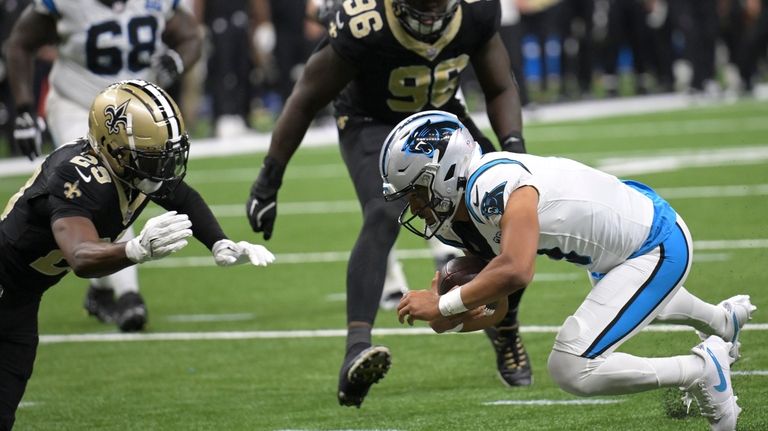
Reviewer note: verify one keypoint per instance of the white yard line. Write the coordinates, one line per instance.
(406, 254)
(553, 402)
(316, 333)
(352, 206)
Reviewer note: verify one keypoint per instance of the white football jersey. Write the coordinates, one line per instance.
(99, 44)
(586, 216)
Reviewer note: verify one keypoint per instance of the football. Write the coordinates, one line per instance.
(459, 271)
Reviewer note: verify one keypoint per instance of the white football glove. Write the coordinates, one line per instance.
(227, 253)
(161, 236)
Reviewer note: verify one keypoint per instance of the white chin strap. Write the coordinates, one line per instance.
(148, 186)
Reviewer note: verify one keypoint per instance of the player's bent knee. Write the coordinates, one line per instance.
(571, 373)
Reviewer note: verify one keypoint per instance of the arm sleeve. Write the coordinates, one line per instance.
(187, 200)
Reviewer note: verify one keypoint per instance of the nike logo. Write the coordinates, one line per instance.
(476, 201)
(339, 23)
(723, 385)
(85, 178)
(735, 328)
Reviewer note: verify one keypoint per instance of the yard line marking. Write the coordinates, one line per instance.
(314, 333)
(693, 159)
(750, 373)
(406, 254)
(352, 206)
(552, 402)
(26, 404)
(232, 317)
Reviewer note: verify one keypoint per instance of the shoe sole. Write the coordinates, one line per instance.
(367, 370)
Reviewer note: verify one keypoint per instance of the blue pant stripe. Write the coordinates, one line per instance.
(665, 277)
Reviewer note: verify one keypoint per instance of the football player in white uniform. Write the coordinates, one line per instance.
(99, 42)
(637, 250)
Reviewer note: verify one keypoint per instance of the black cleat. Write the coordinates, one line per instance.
(511, 358)
(358, 374)
(131, 313)
(100, 303)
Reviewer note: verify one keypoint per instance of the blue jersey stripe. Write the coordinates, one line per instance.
(665, 277)
(475, 175)
(664, 219)
(51, 6)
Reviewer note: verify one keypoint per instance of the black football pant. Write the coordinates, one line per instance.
(361, 140)
(18, 346)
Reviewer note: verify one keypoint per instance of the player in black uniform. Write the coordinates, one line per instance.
(83, 196)
(382, 61)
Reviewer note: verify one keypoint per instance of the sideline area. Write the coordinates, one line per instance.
(323, 136)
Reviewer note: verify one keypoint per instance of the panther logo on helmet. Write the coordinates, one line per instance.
(429, 137)
(115, 117)
(429, 153)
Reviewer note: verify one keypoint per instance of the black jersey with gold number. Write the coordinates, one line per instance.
(70, 182)
(397, 74)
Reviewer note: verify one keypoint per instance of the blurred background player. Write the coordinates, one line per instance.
(99, 42)
(381, 62)
(92, 189)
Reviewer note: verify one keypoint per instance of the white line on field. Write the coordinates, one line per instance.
(352, 206)
(750, 373)
(552, 402)
(406, 254)
(315, 333)
(232, 317)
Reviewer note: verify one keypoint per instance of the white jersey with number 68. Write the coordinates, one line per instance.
(99, 44)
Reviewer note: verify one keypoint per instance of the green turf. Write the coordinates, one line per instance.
(437, 382)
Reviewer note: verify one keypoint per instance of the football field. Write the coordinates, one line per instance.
(249, 348)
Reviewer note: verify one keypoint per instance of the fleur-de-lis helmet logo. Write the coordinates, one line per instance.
(116, 116)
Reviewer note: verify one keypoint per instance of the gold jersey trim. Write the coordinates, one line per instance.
(426, 50)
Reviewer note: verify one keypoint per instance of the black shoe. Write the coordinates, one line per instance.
(511, 358)
(359, 373)
(131, 312)
(100, 303)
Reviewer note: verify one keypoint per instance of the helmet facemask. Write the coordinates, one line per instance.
(426, 26)
(426, 158)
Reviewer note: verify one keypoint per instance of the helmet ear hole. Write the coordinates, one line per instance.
(449, 174)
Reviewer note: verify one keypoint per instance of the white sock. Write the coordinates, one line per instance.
(686, 309)
(394, 280)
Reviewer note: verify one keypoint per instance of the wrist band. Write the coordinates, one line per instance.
(451, 303)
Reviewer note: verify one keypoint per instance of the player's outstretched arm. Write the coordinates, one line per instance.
(208, 231)
(324, 76)
(502, 97)
(184, 37)
(90, 257)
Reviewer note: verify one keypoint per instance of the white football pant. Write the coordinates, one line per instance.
(620, 304)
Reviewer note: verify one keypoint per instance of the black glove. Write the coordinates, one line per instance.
(261, 207)
(513, 143)
(168, 67)
(27, 133)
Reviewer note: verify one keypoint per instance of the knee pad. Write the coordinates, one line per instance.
(571, 372)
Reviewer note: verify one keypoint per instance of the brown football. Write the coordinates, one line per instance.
(459, 271)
